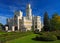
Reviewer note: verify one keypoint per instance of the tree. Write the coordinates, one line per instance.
(46, 21)
(1, 25)
(55, 21)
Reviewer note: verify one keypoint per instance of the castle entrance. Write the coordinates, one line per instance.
(16, 28)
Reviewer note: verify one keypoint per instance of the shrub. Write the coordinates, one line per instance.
(46, 37)
(58, 37)
(42, 33)
(36, 31)
(57, 34)
(2, 40)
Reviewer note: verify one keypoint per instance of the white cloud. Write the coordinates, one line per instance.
(2, 17)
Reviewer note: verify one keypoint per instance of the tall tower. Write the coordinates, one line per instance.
(28, 11)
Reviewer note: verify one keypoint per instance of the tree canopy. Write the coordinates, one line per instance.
(55, 22)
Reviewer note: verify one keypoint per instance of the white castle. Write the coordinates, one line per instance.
(24, 23)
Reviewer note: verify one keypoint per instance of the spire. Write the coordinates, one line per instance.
(28, 6)
(28, 11)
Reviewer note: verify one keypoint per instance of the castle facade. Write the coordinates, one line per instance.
(24, 23)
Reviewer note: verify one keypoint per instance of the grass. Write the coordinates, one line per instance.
(28, 39)
(7, 36)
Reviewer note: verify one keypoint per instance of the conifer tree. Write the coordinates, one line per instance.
(47, 25)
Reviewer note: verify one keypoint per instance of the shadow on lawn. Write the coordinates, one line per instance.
(36, 39)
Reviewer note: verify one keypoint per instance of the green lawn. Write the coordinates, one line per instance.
(28, 39)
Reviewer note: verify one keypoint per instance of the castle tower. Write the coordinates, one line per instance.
(28, 11)
(17, 17)
(19, 14)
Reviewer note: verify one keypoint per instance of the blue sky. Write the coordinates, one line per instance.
(7, 7)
